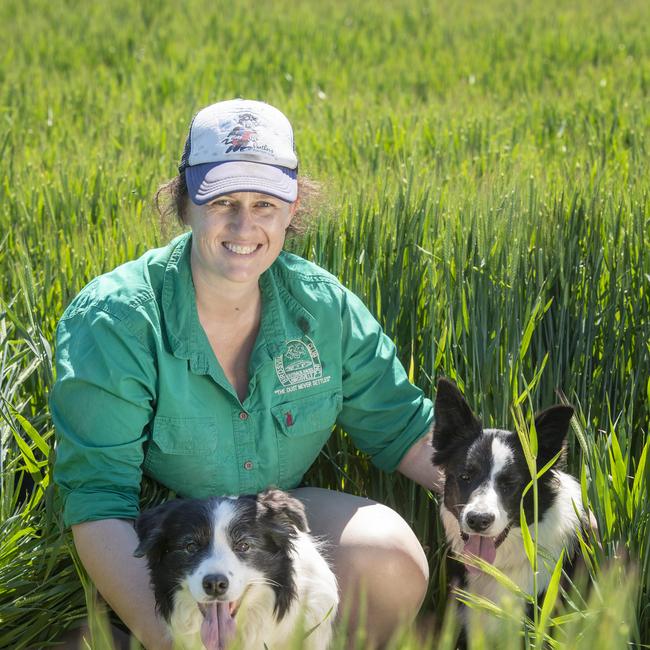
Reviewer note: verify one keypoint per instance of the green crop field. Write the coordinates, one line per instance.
(485, 171)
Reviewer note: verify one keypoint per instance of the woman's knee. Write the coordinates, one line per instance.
(375, 555)
(392, 571)
(382, 585)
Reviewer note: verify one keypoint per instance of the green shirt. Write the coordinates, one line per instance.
(139, 389)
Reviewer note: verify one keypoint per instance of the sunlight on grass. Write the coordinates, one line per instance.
(486, 168)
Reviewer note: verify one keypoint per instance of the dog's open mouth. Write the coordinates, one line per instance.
(208, 608)
(483, 546)
(218, 626)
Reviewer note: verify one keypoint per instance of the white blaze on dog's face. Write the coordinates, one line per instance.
(485, 510)
(486, 472)
(223, 573)
(213, 550)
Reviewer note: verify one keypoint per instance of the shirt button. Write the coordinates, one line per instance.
(243, 415)
(248, 465)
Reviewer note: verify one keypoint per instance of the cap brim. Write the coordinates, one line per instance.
(209, 180)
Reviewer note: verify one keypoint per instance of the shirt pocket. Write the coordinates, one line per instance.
(191, 457)
(303, 426)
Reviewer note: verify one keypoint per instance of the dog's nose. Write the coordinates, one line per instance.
(479, 521)
(215, 584)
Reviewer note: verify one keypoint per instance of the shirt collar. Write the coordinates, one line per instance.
(283, 317)
(178, 297)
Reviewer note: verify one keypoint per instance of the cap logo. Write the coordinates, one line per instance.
(243, 136)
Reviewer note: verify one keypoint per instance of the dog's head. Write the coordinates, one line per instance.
(217, 548)
(485, 469)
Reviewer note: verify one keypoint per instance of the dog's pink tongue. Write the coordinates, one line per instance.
(482, 547)
(218, 627)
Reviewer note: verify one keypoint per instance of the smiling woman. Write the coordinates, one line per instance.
(219, 364)
(237, 237)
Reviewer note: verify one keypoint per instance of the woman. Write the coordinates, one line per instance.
(218, 365)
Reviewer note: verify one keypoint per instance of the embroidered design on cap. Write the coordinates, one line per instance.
(242, 136)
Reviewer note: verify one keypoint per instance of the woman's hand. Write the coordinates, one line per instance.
(418, 466)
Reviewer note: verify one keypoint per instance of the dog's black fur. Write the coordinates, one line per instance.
(268, 520)
(485, 476)
(238, 566)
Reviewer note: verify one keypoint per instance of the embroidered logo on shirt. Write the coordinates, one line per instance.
(299, 366)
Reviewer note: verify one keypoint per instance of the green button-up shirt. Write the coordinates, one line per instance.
(139, 389)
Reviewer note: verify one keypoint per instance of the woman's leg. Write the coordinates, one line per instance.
(80, 639)
(373, 551)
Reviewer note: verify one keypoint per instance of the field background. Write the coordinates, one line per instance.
(486, 175)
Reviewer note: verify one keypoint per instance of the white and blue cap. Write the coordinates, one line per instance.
(240, 145)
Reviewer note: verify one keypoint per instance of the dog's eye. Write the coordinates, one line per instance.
(191, 547)
(465, 477)
(505, 481)
(242, 547)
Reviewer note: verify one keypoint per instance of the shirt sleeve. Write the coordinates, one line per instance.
(382, 411)
(101, 403)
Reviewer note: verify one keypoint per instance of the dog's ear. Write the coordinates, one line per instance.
(282, 505)
(455, 424)
(149, 527)
(281, 514)
(551, 426)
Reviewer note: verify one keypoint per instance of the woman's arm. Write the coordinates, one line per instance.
(106, 550)
(417, 465)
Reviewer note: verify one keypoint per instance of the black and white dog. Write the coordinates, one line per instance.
(485, 476)
(243, 566)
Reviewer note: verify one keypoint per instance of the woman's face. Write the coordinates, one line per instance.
(237, 236)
